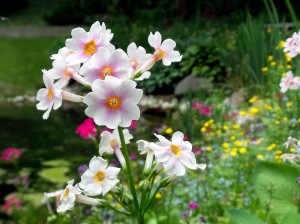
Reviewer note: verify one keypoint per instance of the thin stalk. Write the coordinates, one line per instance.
(128, 170)
(293, 15)
(152, 198)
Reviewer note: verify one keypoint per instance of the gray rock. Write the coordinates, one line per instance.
(192, 83)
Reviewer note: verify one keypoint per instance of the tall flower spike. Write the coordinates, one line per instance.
(49, 97)
(175, 155)
(163, 51)
(85, 44)
(106, 63)
(111, 143)
(113, 102)
(68, 197)
(99, 179)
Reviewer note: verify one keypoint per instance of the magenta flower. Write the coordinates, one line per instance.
(12, 203)
(193, 205)
(87, 129)
(10, 154)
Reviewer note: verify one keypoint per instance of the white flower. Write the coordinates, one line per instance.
(163, 51)
(49, 97)
(62, 54)
(85, 44)
(292, 45)
(110, 142)
(68, 197)
(113, 102)
(138, 57)
(106, 63)
(63, 72)
(287, 82)
(144, 148)
(99, 179)
(175, 155)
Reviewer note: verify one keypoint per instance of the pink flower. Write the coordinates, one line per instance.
(113, 102)
(288, 82)
(133, 125)
(106, 63)
(85, 44)
(10, 154)
(12, 202)
(204, 110)
(87, 129)
(193, 205)
(292, 45)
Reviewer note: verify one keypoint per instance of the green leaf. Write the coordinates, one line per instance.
(57, 162)
(242, 217)
(276, 186)
(291, 218)
(174, 216)
(55, 175)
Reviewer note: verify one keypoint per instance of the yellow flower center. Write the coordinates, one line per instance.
(175, 150)
(50, 93)
(90, 47)
(113, 102)
(99, 177)
(159, 54)
(66, 193)
(105, 71)
(114, 143)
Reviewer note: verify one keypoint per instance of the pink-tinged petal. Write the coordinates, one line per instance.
(162, 154)
(121, 73)
(79, 34)
(109, 184)
(62, 83)
(155, 40)
(131, 49)
(74, 46)
(119, 60)
(90, 75)
(92, 98)
(109, 118)
(43, 105)
(188, 159)
(162, 139)
(112, 172)
(129, 112)
(170, 165)
(186, 146)
(177, 138)
(77, 58)
(168, 45)
(100, 58)
(179, 169)
(173, 56)
(41, 94)
(46, 114)
(97, 164)
(129, 93)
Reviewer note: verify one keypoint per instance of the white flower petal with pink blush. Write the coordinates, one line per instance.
(287, 82)
(106, 63)
(113, 102)
(85, 44)
(175, 155)
(49, 97)
(144, 148)
(292, 45)
(68, 197)
(63, 72)
(99, 179)
(164, 50)
(137, 57)
(62, 54)
(110, 141)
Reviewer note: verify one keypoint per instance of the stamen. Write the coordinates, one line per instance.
(66, 193)
(50, 93)
(99, 177)
(90, 47)
(175, 150)
(159, 54)
(105, 71)
(113, 102)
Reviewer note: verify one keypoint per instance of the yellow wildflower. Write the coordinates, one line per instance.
(158, 195)
(203, 129)
(243, 113)
(264, 69)
(289, 67)
(281, 44)
(270, 58)
(292, 149)
(289, 104)
(236, 126)
(233, 153)
(208, 148)
(267, 107)
(269, 30)
(219, 132)
(225, 145)
(238, 143)
(225, 127)
(253, 99)
(242, 150)
(273, 63)
(225, 155)
(259, 156)
(278, 152)
(169, 131)
(283, 74)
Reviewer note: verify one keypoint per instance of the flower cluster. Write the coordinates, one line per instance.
(292, 45)
(10, 154)
(90, 59)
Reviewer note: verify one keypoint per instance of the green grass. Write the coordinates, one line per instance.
(21, 62)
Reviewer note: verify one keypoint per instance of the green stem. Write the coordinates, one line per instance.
(152, 198)
(129, 171)
(116, 210)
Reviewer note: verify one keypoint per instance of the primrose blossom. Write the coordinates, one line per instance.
(113, 102)
(12, 203)
(111, 143)
(10, 154)
(87, 129)
(99, 179)
(175, 155)
(292, 45)
(289, 82)
(144, 148)
(163, 51)
(84, 45)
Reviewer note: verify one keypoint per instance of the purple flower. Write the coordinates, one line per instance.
(82, 168)
(202, 219)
